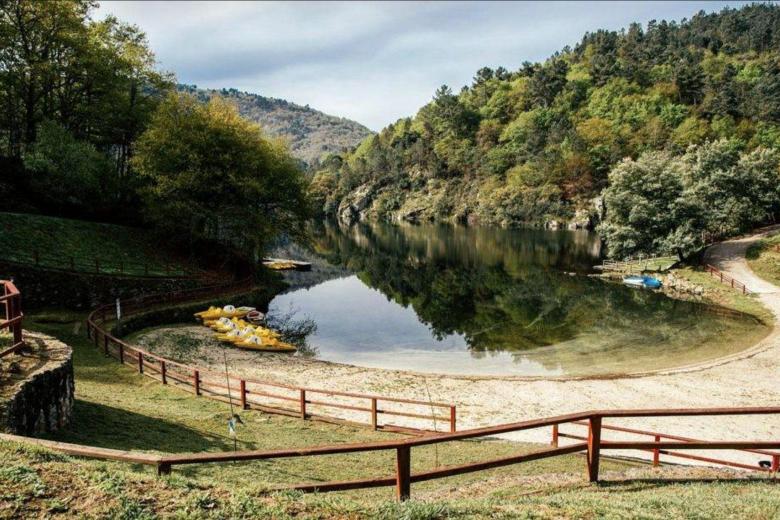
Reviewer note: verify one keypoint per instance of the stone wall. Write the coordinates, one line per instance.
(51, 288)
(37, 396)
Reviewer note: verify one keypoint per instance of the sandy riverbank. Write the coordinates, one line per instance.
(746, 379)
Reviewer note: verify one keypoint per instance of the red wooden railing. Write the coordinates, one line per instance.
(249, 393)
(12, 303)
(725, 278)
(592, 446)
(774, 458)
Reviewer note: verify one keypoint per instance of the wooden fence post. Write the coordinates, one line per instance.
(17, 328)
(303, 403)
(594, 447)
(374, 422)
(196, 377)
(403, 473)
(140, 361)
(242, 388)
(163, 372)
(657, 452)
(453, 419)
(775, 463)
(554, 441)
(163, 468)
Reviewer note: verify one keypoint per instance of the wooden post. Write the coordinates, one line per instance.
(374, 422)
(163, 468)
(657, 452)
(775, 463)
(554, 441)
(95, 337)
(121, 353)
(453, 419)
(303, 403)
(242, 388)
(196, 378)
(403, 473)
(163, 372)
(17, 311)
(140, 362)
(594, 447)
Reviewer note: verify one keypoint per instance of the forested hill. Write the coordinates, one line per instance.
(537, 144)
(311, 133)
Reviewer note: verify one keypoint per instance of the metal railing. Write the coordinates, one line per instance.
(12, 304)
(376, 411)
(592, 447)
(726, 279)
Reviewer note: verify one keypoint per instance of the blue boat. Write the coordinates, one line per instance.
(647, 282)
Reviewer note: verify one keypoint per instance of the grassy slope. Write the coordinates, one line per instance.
(20, 234)
(764, 259)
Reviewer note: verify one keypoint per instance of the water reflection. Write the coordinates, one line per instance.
(493, 301)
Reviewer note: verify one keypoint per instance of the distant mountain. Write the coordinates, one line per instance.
(311, 133)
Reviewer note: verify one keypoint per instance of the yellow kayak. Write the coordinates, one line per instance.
(265, 344)
(228, 311)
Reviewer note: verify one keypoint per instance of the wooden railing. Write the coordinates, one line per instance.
(592, 446)
(95, 265)
(376, 411)
(12, 303)
(773, 464)
(726, 279)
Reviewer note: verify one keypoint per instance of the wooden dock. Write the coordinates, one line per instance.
(282, 263)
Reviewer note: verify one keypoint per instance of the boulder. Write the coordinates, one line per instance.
(353, 206)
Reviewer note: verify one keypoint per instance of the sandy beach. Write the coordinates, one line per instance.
(749, 378)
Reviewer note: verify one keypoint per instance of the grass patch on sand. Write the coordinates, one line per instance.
(763, 257)
(723, 295)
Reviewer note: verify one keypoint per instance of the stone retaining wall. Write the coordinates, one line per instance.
(40, 398)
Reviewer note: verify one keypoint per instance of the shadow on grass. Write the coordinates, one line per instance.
(108, 427)
(641, 484)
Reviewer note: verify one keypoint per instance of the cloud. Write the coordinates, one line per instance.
(370, 61)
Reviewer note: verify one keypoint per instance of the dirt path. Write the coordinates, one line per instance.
(747, 379)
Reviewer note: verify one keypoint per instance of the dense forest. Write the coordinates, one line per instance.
(311, 133)
(538, 144)
(90, 128)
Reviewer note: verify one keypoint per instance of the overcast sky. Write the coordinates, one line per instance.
(371, 62)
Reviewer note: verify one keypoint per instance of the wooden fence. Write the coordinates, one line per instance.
(247, 393)
(113, 267)
(592, 445)
(726, 279)
(12, 304)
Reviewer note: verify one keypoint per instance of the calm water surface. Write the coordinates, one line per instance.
(489, 301)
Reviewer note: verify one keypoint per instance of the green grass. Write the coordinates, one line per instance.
(763, 257)
(37, 483)
(723, 295)
(57, 241)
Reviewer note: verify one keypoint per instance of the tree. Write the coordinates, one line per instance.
(212, 175)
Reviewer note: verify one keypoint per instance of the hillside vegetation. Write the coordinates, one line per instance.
(538, 144)
(311, 133)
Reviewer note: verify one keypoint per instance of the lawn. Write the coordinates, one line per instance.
(83, 246)
(763, 257)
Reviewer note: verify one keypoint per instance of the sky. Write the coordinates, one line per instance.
(373, 62)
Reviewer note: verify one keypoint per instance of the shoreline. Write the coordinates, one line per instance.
(748, 378)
